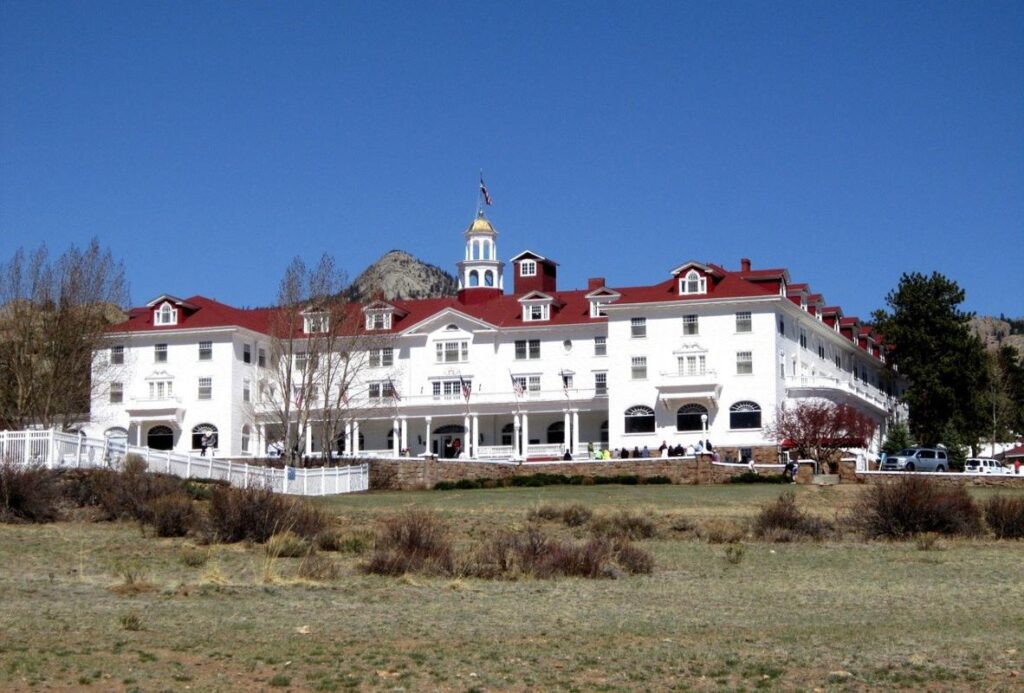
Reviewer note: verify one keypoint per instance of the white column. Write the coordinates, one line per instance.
(526, 435)
(396, 438)
(516, 448)
(575, 431)
(347, 447)
(355, 437)
(309, 439)
(403, 433)
(469, 433)
(426, 436)
(566, 432)
(476, 435)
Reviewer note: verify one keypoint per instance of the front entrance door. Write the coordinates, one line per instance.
(448, 441)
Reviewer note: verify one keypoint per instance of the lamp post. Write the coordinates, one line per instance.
(704, 428)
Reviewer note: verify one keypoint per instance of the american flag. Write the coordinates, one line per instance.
(467, 389)
(517, 386)
(394, 391)
(483, 191)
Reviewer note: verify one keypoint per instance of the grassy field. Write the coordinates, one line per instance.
(100, 606)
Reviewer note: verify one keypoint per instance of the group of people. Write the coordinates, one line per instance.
(702, 447)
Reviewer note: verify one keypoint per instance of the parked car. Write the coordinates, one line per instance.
(917, 460)
(985, 465)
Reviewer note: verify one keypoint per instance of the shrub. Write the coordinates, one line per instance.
(415, 541)
(531, 552)
(753, 478)
(782, 520)
(544, 512)
(171, 515)
(734, 553)
(128, 494)
(721, 532)
(257, 514)
(194, 558)
(634, 560)
(131, 621)
(318, 568)
(624, 525)
(1005, 516)
(287, 545)
(576, 515)
(913, 505)
(28, 494)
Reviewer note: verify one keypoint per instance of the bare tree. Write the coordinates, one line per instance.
(817, 429)
(319, 354)
(53, 316)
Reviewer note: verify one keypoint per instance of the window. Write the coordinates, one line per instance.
(382, 357)
(821, 351)
(300, 360)
(639, 420)
(117, 354)
(247, 353)
(261, 358)
(692, 364)
(205, 351)
(600, 346)
(639, 367)
(161, 389)
(507, 431)
(451, 352)
(160, 353)
(245, 438)
(693, 283)
(246, 390)
(744, 362)
(556, 433)
(597, 308)
(160, 438)
(116, 393)
(527, 349)
(382, 390)
(447, 389)
(743, 323)
(209, 431)
(838, 359)
(601, 384)
(690, 325)
(745, 415)
(527, 268)
(533, 383)
(688, 418)
(166, 315)
(520, 382)
(205, 388)
(803, 338)
(533, 312)
(378, 321)
(638, 328)
(316, 322)
(782, 326)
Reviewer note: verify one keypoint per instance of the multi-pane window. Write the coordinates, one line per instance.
(691, 417)
(597, 309)
(639, 420)
(527, 268)
(449, 389)
(693, 283)
(166, 315)
(161, 389)
(246, 433)
(600, 346)
(116, 393)
(744, 362)
(638, 328)
(117, 354)
(382, 357)
(600, 384)
(692, 364)
(382, 390)
(527, 349)
(246, 390)
(205, 388)
(690, 325)
(745, 415)
(378, 321)
(205, 351)
(451, 352)
(533, 383)
(301, 360)
(160, 353)
(743, 323)
(316, 322)
(639, 367)
(520, 382)
(261, 358)
(803, 338)
(247, 353)
(535, 311)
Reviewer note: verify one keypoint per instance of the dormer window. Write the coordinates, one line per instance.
(378, 321)
(534, 312)
(597, 309)
(315, 323)
(166, 315)
(527, 268)
(693, 283)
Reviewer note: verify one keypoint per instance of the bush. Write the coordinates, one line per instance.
(171, 515)
(130, 493)
(287, 545)
(318, 568)
(194, 558)
(721, 532)
(28, 494)
(572, 515)
(624, 525)
(257, 514)
(634, 560)
(913, 505)
(415, 541)
(1005, 516)
(782, 520)
(510, 554)
(753, 478)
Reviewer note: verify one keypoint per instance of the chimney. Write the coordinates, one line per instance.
(745, 264)
(595, 283)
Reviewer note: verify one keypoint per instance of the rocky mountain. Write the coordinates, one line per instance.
(399, 275)
(995, 332)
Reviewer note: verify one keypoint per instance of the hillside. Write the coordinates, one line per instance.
(995, 332)
(399, 275)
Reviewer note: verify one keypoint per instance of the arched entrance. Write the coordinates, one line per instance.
(448, 441)
(160, 438)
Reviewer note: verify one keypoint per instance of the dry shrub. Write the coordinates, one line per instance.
(318, 568)
(532, 553)
(27, 494)
(624, 525)
(414, 541)
(782, 521)
(130, 493)
(681, 524)
(545, 512)
(194, 558)
(914, 505)
(171, 515)
(721, 532)
(257, 514)
(734, 553)
(574, 515)
(287, 545)
(1005, 516)
(634, 560)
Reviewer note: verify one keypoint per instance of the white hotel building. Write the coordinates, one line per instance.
(704, 352)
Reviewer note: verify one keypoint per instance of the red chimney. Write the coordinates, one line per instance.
(745, 264)
(595, 283)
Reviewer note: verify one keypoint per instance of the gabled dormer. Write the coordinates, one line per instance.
(815, 304)
(380, 315)
(537, 306)
(534, 272)
(694, 278)
(849, 328)
(315, 321)
(600, 296)
(831, 315)
(798, 294)
(168, 311)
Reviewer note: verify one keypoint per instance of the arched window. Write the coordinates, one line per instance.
(474, 278)
(488, 278)
(116, 433)
(450, 429)
(507, 433)
(640, 420)
(745, 415)
(693, 283)
(556, 432)
(245, 438)
(688, 417)
(199, 431)
(160, 438)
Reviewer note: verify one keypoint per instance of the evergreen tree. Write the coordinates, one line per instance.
(942, 360)
(898, 438)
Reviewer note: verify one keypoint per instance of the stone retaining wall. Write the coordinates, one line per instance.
(952, 479)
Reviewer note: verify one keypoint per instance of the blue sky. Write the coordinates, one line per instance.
(207, 143)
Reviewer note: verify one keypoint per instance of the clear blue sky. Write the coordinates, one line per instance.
(208, 142)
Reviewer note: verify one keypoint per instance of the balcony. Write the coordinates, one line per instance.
(846, 388)
(155, 409)
(689, 386)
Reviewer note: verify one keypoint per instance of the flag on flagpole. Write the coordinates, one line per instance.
(467, 389)
(394, 390)
(566, 379)
(517, 386)
(483, 191)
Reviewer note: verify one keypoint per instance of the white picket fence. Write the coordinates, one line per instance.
(54, 449)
